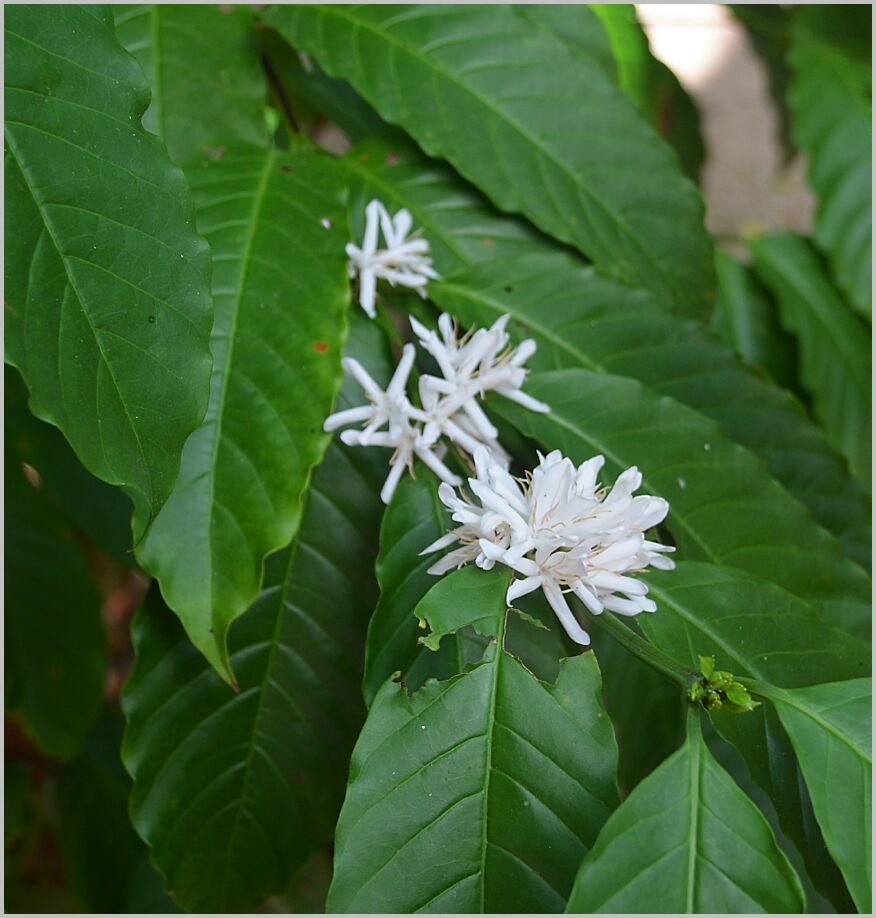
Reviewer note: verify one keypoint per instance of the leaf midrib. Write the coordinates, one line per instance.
(501, 115)
(231, 333)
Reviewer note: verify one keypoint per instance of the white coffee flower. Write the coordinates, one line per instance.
(403, 260)
(561, 533)
(388, 423)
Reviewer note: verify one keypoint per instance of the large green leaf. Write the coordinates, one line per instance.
(480, 793)
(233, 792)
(652, 85)
(834, 344)
(578, 26)
(100, 511)
(540, 130)
(107, 283)
(830, 101)
(581, 319)
(108, 865)
(274, 222)
(54, 636)
(724, 507)
(748, 321)
(203, 65)
(829, 726)
(687, 840)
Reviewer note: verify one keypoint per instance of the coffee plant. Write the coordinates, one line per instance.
(497, 542)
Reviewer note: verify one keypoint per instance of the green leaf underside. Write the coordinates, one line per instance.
(687, 840)
(202, 62)
(281, 291)
(746, 320)
(834, 344)
(830, 101)
(724, 508)
(829, 726)
(233, 792)
(477, 794)
(512, 121)
(54, 636)
(101, 511)
(107, 284)
(579, 319)
(757, 630)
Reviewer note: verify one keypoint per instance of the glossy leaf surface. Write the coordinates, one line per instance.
(415, 64)
(834, 344)
(480, 793)
(829, 726)
(107, 283)
(687, 840)
(235, 791)
(281, 291)
(203, 64)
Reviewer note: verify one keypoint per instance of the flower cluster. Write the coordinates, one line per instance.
(560, 532)
(404, 261)
(480, 361)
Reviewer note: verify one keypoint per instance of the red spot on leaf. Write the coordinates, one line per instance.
(298, 777)
(392, 158)
(488, 241)
(320, 347)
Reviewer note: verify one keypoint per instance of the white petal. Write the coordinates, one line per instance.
(400, 377)
(520, 588)
(392, 480)
(350, 416)
(558, 603)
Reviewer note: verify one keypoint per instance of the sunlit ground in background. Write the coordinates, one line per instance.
(746, 185)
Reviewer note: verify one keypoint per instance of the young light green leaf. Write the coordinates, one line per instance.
(567, 170)
(829, 726)
(687, 840)
(477, 794)
(834, 344)
(830, 104)
(725, 508)
(203, 64)
(281, 291)
(580, 319)
(107, 284)
(54, 635)
(234, 792)
(747, 321)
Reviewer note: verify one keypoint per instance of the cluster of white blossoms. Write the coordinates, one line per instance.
(402, 260)
(480, 361)
(560, 532)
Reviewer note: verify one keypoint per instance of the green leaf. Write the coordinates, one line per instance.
(108, 865)
(687, 840)
(579, 319)
(514, 135)
(724, 507)
(54, 635)
(830, 101)
(652, 85)
(203, 65)
(834, 344)
(103, 513)
(750, 628)
(234, 792)
(578, 26)
(477, 794)
(746, 320)
(281, 292)
(107, 284)
(829, 726)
